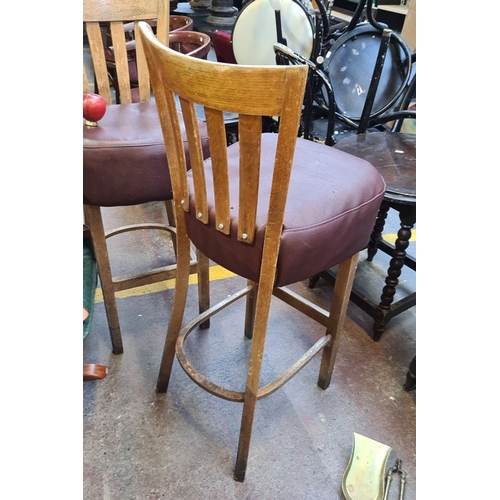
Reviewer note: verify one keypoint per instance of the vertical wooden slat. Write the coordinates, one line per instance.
(121, 62)
(163, 22)
(338, 310)
(218, 148)
(196, 158)
(99, 61)
(250, 145)
(142, 69)
(167, 108)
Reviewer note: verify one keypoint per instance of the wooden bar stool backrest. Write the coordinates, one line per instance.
(117, 12)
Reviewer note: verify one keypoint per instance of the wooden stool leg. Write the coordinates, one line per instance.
(177, 314)
(338, 310)
(203, 286)
(93, 219)
(313, 280)
(250, 309)
(261, 317)
(411, 376)
(171, 221)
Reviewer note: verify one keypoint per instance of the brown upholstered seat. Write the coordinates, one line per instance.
(271, 208)
(124, 161)
(318, 174)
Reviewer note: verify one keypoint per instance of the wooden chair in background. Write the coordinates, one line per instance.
(124, 159)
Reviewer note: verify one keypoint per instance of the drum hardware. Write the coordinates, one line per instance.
(342, 60)
(318, 77)
(352, 59)
(259, 25)
(276, 5)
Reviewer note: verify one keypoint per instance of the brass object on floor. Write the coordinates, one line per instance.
(364, 477)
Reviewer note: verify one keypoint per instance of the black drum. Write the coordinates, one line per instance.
(254, 31)
(349, 64)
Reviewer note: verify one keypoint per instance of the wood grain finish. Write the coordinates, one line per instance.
(116, 13)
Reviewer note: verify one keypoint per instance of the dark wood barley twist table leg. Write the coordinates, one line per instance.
(376, 236)
(384, 311)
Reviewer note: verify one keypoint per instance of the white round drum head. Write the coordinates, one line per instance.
(254, 32)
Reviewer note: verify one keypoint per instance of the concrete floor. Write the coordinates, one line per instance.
(182, 445)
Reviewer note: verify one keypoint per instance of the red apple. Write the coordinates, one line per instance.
(94, 107)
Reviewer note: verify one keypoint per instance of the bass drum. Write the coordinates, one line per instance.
(349, 64)
(254, 31)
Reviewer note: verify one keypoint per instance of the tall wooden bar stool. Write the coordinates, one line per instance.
(271, 208)
(124, 158)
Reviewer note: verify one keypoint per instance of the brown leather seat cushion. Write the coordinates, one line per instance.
(124, 159)
(313, 239)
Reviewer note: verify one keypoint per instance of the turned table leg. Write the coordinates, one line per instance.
(382, 313)
(376, 235)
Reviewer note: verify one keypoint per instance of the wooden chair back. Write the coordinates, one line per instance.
(252, 92)
(98, 15)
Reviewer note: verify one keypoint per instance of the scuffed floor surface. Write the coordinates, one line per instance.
(141, 445)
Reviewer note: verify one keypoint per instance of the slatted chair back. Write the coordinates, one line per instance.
(236, 89)
(98, 16)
